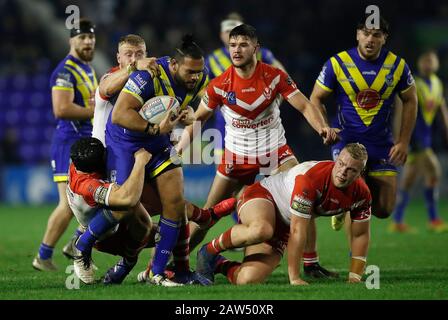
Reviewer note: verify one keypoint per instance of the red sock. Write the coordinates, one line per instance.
(181, 252)
(200, 215)
(310, 258)
(231, 273)
(228, 268)
(221, 243)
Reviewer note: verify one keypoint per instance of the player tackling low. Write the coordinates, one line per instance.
(276, 212)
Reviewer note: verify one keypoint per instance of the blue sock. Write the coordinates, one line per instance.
(168, 231)
(45, 252)
(102, 222)
(431, 205)
(401, 206)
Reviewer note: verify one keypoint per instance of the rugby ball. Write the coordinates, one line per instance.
(155, 109)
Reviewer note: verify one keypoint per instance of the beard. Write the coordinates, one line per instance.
(85, 55)
(188, 86)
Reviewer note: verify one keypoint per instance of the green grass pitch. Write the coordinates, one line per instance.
(411, 266)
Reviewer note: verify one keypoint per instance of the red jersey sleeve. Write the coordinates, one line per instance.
(303, 197)
(287, 87)
(361, 208)
(94, 190)
(211, 99)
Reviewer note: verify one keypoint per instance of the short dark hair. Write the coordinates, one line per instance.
(384, 25)
(88, 155)
(132, 39)
(245, 30)
(188, 48)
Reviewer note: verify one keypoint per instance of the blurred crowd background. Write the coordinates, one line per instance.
(301, 34)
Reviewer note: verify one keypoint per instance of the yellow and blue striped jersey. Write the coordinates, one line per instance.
(73, 75)
(143, 87)
(365, 92)
(430, 98)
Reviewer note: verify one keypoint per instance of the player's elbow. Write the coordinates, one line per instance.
(104, 90)
(60, 112)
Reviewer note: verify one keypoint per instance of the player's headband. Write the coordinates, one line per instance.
(84, 27)
(228, 25)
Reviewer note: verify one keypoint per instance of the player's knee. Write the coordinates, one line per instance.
(261, 231)
(175, 208)
(247, 277)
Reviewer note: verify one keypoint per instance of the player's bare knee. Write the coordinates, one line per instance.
(261, 231)
(247, 277)
(175, 209)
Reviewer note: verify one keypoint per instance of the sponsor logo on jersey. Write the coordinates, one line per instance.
(368, 99)
(251, 89)
(133, 87)
(369, 73)
(63, 80)
(141, 83)
(410, 80)
(248, 124)
(301, 204)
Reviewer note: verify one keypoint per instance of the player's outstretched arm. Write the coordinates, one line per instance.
(129, 193)
(201, 115)
(296, 245)
(65, 108)
(112, 83)
(360, 246)
(398, 153)
(314, 118)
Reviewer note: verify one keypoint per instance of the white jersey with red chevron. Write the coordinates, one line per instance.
(251, 108)
(103, 108)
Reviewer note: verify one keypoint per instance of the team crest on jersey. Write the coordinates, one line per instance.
(267, 92)
(231, 97)
(389, 79)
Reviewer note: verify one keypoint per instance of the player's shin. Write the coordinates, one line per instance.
(168, 233)
(101, 223)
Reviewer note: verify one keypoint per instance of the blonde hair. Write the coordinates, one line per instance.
(132, 39)
(357, 151)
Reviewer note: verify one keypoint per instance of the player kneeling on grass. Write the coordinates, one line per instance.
(276, 212)
(101, 209)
